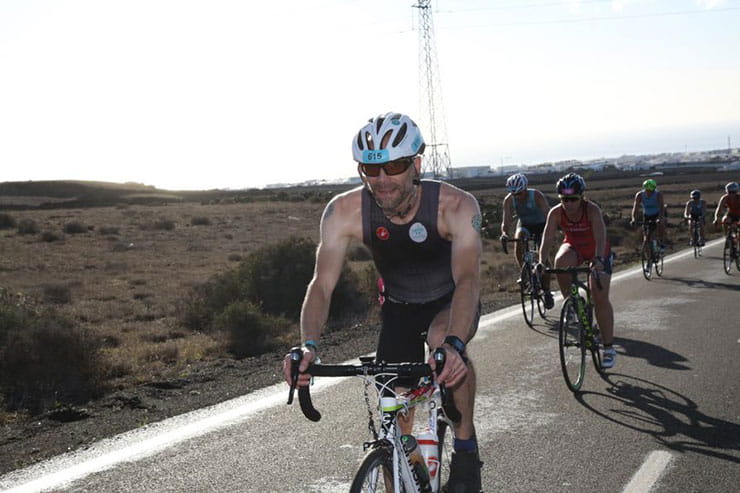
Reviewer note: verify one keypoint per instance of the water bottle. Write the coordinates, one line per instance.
(429, 446)
(418, 467)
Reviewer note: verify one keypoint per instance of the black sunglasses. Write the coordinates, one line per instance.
(571, 198)
(391, 168)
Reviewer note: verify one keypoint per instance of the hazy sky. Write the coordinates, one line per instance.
(191, 94)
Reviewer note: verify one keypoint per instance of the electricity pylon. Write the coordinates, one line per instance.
(431, 108)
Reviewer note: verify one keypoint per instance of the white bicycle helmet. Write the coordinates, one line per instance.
(386, 138)
(732, 187)
(516, 183)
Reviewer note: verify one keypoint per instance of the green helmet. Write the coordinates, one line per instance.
(649, 185)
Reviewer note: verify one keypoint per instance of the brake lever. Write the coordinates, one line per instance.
(448, 403)
(296, 355)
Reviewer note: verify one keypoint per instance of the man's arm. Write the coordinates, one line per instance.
(548, 235)
(463, 224)
(506, 216)
(661, 207)
(541, 201)
(638, 200)
(686, 210)
(720, 208)
(333, 245)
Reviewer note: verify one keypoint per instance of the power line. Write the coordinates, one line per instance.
(595, 18)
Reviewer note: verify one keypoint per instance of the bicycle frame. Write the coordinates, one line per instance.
(391, 405)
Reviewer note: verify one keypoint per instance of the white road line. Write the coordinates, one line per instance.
(142, 443)
(648, 475)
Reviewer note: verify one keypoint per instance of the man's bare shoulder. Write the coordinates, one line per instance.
(453, 197)
(345, 204)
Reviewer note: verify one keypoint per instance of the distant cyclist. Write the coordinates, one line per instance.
(585, 240)
(730, 202)
(530, 207)
(696, 211)
(653, 209)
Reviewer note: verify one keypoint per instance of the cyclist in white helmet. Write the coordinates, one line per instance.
(424, 236)
(530, 207)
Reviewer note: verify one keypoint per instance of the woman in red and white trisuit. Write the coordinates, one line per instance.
(585, 242)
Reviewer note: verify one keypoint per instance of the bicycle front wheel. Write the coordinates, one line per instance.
(375, 473)
(647, 262)
(526, 288)
(446, 438)
(727, 256)
(572, 346)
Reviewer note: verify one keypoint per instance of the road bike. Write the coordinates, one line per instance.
(530, 281)
(652, 254)
(388, 466)
(730, 252)
(696, 239)
(577, 332)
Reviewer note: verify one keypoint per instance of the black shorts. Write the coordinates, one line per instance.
(405, 327)
(533, 230)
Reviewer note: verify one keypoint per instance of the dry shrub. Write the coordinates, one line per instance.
(50, 237)
(272, 281)
(46, 361)
(7, 221)
(250, 331)
(27, 227)
(74, 228)
(57, 294)
(200, 221)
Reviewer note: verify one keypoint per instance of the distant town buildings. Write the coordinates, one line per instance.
(723, 160)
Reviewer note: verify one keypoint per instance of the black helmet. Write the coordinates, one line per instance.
(571, 184)
(695, 194)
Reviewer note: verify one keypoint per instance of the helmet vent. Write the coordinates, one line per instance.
(369, 141)
(400, 135)
(378, 124)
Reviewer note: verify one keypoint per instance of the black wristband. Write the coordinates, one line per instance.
(456, 343)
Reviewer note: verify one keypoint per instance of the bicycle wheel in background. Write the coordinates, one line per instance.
(695, 242)
(572, 346)
(375, 472)
(647, 262)
(446, 446)
(525, 287)
(659, 262)
(727, 255)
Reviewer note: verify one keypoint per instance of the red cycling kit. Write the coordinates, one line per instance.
(580, 236)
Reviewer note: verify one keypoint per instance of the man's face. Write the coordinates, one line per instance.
(390, 190)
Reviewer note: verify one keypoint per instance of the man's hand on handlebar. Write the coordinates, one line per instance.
(454, 370)
(304, 379)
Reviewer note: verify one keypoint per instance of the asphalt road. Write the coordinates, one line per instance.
(665, 419)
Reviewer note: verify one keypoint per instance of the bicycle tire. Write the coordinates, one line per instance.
(659, 263)
(571, 346)
(596, 351)
(525, 288)
(375, 472)
(446, 437)
(727, 255)
(647, 262)
(541, 307)
(695, 242)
